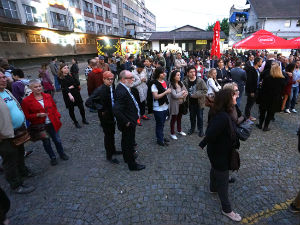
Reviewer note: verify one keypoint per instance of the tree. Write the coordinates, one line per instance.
(224, 26)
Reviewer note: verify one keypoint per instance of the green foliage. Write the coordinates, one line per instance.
(224, 26)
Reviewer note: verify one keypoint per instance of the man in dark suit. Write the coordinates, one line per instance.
(102, 99)
(249, 63)
(127, 112)
(251, 86)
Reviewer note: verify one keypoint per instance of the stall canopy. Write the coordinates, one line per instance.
(263, 39)
(296, 41)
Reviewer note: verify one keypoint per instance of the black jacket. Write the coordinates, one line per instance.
(100, 99)
(220, 141)
(251, 82)
(124, 109)
(65, 83)
(223, 76)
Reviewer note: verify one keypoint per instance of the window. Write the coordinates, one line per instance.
(89, 26)
(74, 3)
(31, 14)
(87, 7)
(79, 41)
(59, 19)
(106, 14)
(106, 1)
(298, 23)
(100, 28)
(114, 1)
(114, 15)
(116, 30)
(8, 9)
(8, 36)
(287, 23)
(98, 11)
(37, 38)
(108, 29)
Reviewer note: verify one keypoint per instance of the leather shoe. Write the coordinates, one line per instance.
(164, 144)
(113, 161)
(77, 125)
(190, 132)
(136, 167)
(64, 157)
(85, 122)
(166, 140)
(258, 126)
(266, 129)
(53, 162)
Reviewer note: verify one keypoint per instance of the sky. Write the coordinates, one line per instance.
(171, 14)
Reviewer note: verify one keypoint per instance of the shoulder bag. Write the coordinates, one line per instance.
(21, 136)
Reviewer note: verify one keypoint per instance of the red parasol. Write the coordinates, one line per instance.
(295, 41)
(263, 39)
(215, 48)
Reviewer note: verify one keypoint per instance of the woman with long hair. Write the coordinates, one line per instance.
(221, 140)
(160, 91)
(71, 94)
(177, 97)
(212, 83)
(46, 80)
(288, 88)
(271, 96)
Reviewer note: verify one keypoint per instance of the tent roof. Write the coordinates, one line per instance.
(263, 39)
(295, 41)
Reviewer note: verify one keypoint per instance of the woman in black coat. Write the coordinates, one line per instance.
(270, 96)
(75, 69)
(71, 93)
(221, 140)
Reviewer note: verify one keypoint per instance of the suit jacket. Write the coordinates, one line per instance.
(124, 109)
(100, 99)
(251, 83)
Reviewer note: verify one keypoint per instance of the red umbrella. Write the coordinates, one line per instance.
(263, 39)
(295, 41)
(215, 48)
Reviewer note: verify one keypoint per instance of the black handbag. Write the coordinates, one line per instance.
(235, 161)
(243, 131)
(183, 108)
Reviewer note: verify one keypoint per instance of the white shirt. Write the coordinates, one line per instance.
(47, 121)
(156, 106)
(213, 86)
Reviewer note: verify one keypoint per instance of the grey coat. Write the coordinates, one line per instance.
(176, 99)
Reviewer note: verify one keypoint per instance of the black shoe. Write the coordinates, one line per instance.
(85, 122)
(201, 134)
(190, 132)
(164, 144)
(293, 208)
(231, 180)
(23, 189)
(136, 167)
(113, 161)
(166, 140)
(266, 129)
(77, 125)
(64, 157)
(258, 126)
(118, 153)
(53, 162)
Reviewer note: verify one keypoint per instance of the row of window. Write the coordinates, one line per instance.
(128, 20)
(132, 10)
(149, 21)
(150, 13)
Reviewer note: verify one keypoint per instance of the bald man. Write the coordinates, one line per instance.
(102, 99)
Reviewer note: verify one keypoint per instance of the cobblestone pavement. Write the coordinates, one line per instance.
(173, 189)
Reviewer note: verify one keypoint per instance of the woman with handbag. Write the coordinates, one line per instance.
(71, 94)
(178, 106)
(46, 80)
(221, 141)
(40, 110)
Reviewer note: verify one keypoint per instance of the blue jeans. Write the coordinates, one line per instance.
(160, 118)
(56, 139)
(56, 84)
(294, 96)
(196, 113)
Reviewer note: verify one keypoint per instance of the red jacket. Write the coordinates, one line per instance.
(31, 107)
(95, 79)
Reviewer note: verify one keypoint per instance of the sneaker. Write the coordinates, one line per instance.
(144, 117)
(182, 133)
(233, 216)
(139, 122)
(173, 136)
(293, 208)
(23, 189)
(287, 111)
(252, 118)
(294, 111)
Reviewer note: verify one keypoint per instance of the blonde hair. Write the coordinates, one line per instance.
(276, 72)
(230, 86)
(210, 72)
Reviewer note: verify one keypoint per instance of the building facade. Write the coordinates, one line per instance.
(43, 28)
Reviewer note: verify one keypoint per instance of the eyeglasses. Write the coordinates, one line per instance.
(129, 78)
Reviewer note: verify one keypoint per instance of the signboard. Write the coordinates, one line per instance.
(201, 42)
(238, 35)
(108, 46)
(131, 46)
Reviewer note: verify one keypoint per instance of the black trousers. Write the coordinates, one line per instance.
(72, 114)
(142, 106)
(13, 163)
(109, 139)
(219, 183)
(127, 144)
(4, 206)
(262, 116)
(249, 105)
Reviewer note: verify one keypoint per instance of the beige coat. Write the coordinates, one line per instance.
(201, 90)
(176, 99)
(140, 85)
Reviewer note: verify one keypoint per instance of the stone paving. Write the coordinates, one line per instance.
(173, 189)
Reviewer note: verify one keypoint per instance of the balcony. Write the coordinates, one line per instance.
(88, 14)
(10, 20)
(58, 6)
(107, 20)
(106, 5)
(99, 17)
(98, 1)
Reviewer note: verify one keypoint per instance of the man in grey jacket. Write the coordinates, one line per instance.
(11, 119)
(54, 70)
(239, 76)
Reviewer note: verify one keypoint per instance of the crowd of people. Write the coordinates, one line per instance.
(127, 90)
